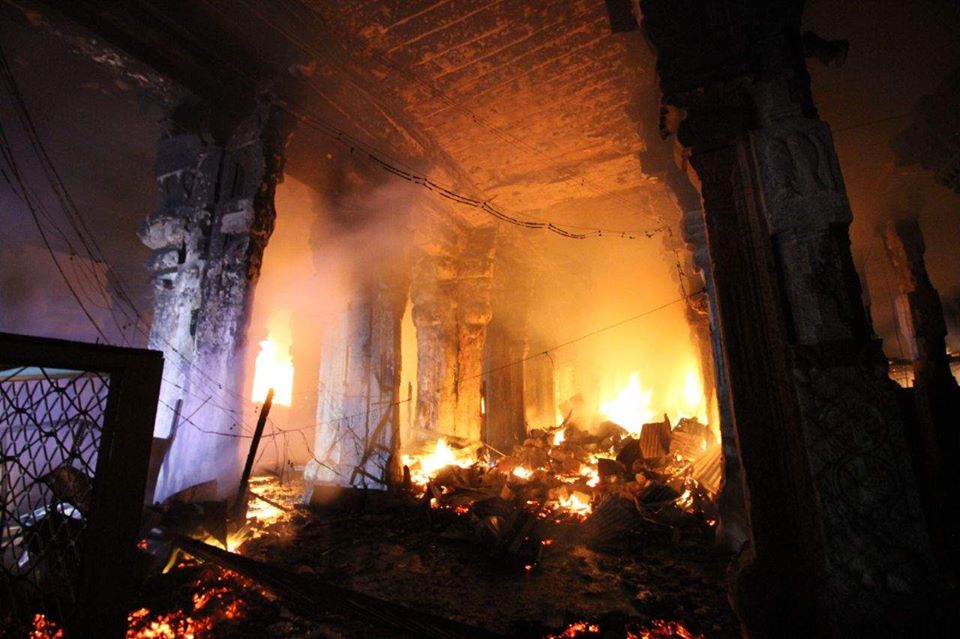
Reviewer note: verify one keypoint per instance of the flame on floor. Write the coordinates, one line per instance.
(424, 466)
(630, 407)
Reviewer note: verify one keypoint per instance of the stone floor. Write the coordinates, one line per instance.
(394, 549)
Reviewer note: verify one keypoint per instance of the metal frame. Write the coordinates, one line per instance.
(109, 546)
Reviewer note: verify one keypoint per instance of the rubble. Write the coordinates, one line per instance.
(608, 480)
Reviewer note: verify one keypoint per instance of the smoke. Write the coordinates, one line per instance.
(332, 242)
(592, 308)
(34, 300)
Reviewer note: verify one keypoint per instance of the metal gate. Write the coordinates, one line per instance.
(76, 424)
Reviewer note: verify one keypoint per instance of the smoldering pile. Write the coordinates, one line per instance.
(569, 484)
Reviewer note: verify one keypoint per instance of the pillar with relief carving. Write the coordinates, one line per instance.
(838, 544)
(217, 174)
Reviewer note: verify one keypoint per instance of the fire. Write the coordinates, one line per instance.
(522, 473)
(211, 605)
(274, 369)
(576, 503)
(693, 401)
(660, 629)
(559, 437)
(175, 625)
(577, 629)
(631, 407)
(43, 628)
(592, 473)
(424, 467)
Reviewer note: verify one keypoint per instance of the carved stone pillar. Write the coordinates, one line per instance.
(451, 310)
(733, 530)
(506, 347)
(358, 415)
(434, 316)
(504, 386)
(919, 310)
(474, 311)
(936, 396)
(216, 214)
(838, 544)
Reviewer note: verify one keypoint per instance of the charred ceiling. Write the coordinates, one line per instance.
(537, 105)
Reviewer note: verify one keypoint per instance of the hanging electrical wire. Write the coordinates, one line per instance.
(498, 132)
(397, 168)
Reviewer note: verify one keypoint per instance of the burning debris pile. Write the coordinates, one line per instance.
(196, 598)
(570, 482)
(657, 629)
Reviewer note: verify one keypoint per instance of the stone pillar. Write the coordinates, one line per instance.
(919, 310)
(474, 312)
(358, 414)
(920, 321)
(733, 530)
(504, 400)
(539, 386)
(216, 214)
(506, 348)
(451, 310)
(434, 316)
(838, 546)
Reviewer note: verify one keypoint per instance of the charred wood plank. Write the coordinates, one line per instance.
(308, 596)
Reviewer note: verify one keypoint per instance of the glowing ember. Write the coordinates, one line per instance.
(274, 369)
(212, 604)
(43, 628)
(631, 407)
(263, 512)
(559, 436)
(522, 473)
(592, 474)
(660, 629)
(424, 467)
(577, 629)
(577, 504)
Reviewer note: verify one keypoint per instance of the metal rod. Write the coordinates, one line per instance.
(254, 445)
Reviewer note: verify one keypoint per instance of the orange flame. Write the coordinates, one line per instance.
(630, 408)
(423, 467)
(274, 369)
(43, 628)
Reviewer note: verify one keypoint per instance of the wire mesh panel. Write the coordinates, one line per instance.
(51, 423)
(76, 423)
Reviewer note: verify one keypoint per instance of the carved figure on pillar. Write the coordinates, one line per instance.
(838, 544)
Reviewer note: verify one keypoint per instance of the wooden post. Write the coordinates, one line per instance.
(252, 454)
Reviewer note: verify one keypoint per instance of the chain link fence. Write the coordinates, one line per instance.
(74, 442)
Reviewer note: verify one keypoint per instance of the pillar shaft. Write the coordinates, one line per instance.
(919, 310)
(208, 237)
(358, 414)
(434, 316)
(839, 547)
(733, 530)
(451, 296)
(935, 437)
